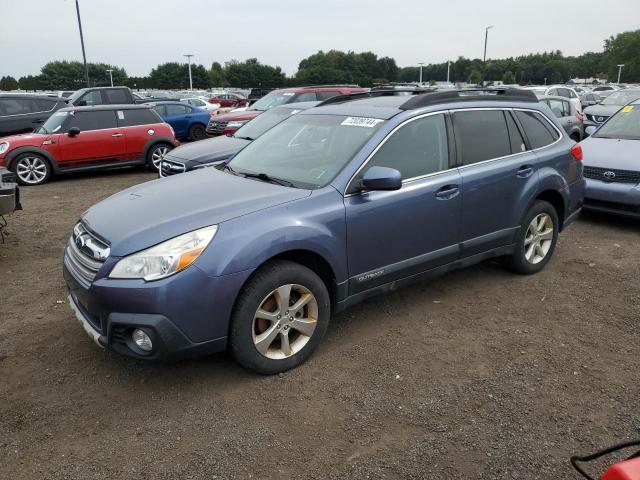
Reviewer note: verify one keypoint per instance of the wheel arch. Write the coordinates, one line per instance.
(10, 157)
(557, 201)
(152, 142)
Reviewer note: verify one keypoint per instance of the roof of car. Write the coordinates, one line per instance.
(32, 95)
(298, 105)
(93, 108)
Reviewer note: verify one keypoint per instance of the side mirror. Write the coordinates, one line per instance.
(73, 131)
(590, 130)
(381, 178)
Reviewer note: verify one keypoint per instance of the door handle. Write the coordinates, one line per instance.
(116, 135)
(447, 192)
(524, 171)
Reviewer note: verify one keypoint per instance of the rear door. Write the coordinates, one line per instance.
(138, 126)
(99, 140)
(497, 172)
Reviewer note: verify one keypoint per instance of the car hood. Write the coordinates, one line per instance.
(611, 153)
(604, 110)
(237, 116)
(205, 151)
(31, 139)
(147, 214)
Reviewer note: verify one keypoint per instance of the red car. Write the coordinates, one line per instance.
(229, 122)
(79, 138)
(229, 100)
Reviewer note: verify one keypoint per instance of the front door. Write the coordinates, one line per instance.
(395, 234)
(177, 116)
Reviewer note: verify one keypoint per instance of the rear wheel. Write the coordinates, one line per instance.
(31, 169)
(280, 318)
(156, 153)
(197, 132)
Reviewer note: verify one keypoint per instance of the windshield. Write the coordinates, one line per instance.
(625, 124)
(75, 95)
(621, 97)
(306, 150)
(273, 99)
(53, 123)
(264, 122)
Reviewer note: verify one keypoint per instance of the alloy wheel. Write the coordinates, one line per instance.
(539, 238)
(31, 170)
(285, 321)
(158, 154)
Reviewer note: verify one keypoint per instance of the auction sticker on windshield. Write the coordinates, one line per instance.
(361, 122)
(627, 109)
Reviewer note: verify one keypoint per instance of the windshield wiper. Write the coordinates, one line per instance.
(244, 138)
(268, 178)
(227, 168)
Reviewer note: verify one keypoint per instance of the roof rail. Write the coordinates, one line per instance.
(377, 93)
(321, 86)
(470, 95)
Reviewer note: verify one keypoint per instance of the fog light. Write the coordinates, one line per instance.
(142, 340)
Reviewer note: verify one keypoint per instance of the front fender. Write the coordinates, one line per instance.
(11, 156)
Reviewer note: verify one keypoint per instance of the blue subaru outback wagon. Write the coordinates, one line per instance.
(331, 206)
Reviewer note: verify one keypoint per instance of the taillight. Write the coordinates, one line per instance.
(576, 151)
(580, 117)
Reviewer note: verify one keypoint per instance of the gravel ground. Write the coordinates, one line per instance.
(478, 374)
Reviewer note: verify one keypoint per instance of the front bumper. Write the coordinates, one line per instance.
(611, 197)
(185, 315)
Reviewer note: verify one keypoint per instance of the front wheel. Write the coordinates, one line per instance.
(156, 153)
(31, 169)
(280, 318)
(537, 239)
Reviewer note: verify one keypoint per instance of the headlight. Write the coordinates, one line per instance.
(235, 124)
(4, 146)
(166, 258)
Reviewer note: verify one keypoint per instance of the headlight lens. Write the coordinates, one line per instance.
(166, 258)
(235, 124)
(4, 146)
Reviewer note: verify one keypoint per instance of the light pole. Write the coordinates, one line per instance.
(84, 56)
(486, 35)
(110, 76)
(189, 55)
(620, 72)
(421, 64)
(448, 69)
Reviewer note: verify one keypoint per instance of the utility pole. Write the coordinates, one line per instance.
(189, 55)
(84, 56)
(619, 72)
(486, 36)
(421, 64)
(448, 69)
(110, 76)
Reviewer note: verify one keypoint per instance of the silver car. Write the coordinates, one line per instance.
(568, 116)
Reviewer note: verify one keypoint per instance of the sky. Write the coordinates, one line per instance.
(140, 34)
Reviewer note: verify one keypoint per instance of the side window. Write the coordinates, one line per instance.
(307, 97)
(563, 92)
(92, 98)
(11, 106)
(160, 110)
(98, 120)
(117, 96)
(567, 109)
(557, 107)
(481, 135)
(43, 105)
(133, 117)
(538, 130)
(173, 109)
(326, 95)
(517, 142)
(418, 148)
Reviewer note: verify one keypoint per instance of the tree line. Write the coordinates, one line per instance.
(365, 69)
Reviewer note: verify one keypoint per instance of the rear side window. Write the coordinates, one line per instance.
(130, 118)
(418, 148)
(98, 120)
(538, 130)
(481, 135)
(116, 96)
(173, 109)
(160, 110)
(13, 106)
(43, 105)
(307, 97)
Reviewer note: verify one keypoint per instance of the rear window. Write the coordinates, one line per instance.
(481, 135)
(130, 118)
(537, 129)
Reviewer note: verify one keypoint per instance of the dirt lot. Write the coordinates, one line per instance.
(479, 374)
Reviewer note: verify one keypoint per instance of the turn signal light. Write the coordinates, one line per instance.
(576, 151)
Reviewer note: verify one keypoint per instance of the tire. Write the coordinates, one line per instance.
(155, 154)
(536, 241)
(259, 326)
(575, 137)
(31, 169)
(197, 132)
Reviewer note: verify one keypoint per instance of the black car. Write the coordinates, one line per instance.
(257, 93)
(213, 151)
(22, 113)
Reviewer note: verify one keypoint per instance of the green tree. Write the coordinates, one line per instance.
(623, 49)
(252, 73)
(8, 83)
(335, 66)
(176, 75)
(216, 75)
(508, 77)
(475, 77)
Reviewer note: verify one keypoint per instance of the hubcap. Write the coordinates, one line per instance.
(31, 170)
(285, 321)
(538, 239)
(158, 154)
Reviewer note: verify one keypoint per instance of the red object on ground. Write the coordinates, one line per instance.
(627, 470)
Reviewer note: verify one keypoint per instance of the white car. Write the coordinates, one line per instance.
(559, 91)
(200, 103)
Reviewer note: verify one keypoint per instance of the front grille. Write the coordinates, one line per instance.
(612, 175)
(84, 255)
(597, 118)
(621, 207)
(216, 127)
(171, 167)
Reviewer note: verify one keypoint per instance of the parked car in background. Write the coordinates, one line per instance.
(229, 100)
(587, 99)
(9, 194)
(20, 113)
(596, 115)
(214, 151)
(612, 163)
(82, 138)
(230, 122)
(200, 103)
(566, 113)
(188, 122)
(604, 91)
(258, 93)
(566, 92)
(331, 206)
